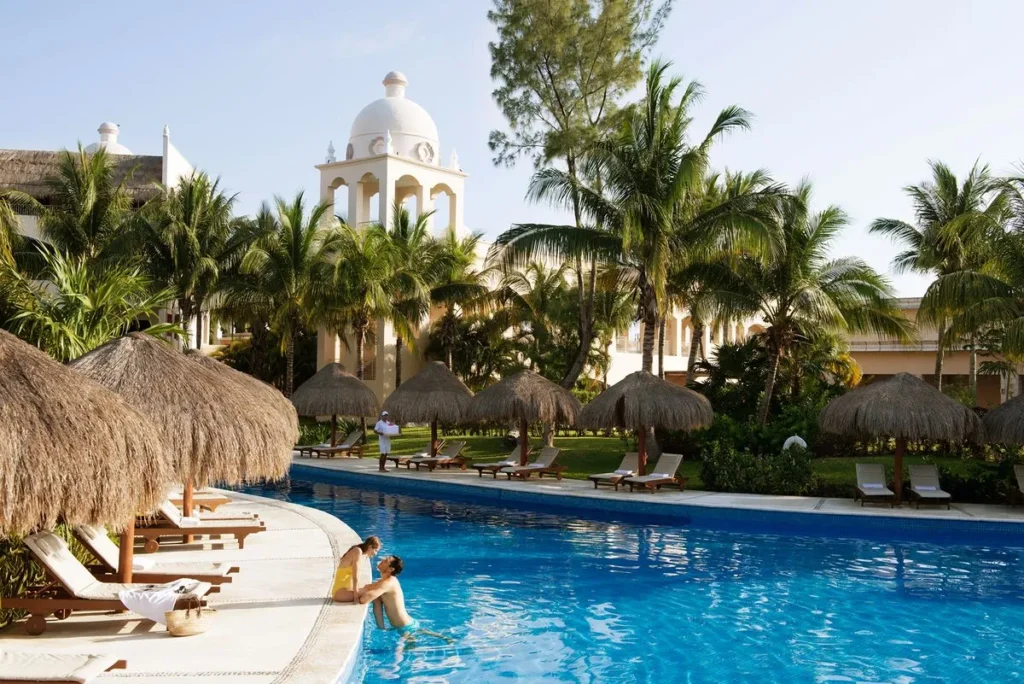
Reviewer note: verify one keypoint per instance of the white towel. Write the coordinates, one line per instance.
(189, 521)
(664, 475)
(926, 488)
(141, 564)
(151, 603)
(872, 485)
(623, 472)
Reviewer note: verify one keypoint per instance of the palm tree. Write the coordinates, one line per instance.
(185, 237)
(364, 281)
(459, 287)
(953, 221)
(9, 237)
(286, 273)
(417, 267)
(80, 305)
(802, 293)
(646, 171)
(88, 207)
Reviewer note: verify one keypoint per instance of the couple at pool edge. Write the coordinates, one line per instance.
(385, 594)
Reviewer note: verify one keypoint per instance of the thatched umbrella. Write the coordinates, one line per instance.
(214, 431)
(434, 394)
(70, 449)
(334, 392)
(525, 398)
(642, 400)
(903, 407)
(1005, 423)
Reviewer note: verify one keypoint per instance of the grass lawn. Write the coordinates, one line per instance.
(586, 455)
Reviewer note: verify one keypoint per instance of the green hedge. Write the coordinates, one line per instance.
(727, 469)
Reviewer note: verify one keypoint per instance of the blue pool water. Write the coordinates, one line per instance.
(545, 597)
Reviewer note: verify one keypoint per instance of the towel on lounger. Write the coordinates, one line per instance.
(623, 472)
(926, 488)
(872, 485)
(152, 602)
(189, 521)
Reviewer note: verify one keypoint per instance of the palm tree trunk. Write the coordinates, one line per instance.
(586, 327)
(289, 373)
(769, 387)
(650, 325)
(360, 340)
(939, 354)
(185, 314)
(398, 362)
(661, 348)
(973, 369)
(698, 334)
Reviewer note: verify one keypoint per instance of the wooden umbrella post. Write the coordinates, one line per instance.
(433, 438)
(641, 451)
(186, 506)
(524, 442)
(334, 430)
(901, 445)
(126, 554)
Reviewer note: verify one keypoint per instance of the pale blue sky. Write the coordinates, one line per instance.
(855, 95)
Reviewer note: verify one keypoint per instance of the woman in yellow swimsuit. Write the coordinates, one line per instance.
(346, 579)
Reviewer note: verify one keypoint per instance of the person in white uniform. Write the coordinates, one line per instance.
(383, 438)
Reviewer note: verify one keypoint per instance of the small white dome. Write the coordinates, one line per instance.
(108, 140)
(413, 131)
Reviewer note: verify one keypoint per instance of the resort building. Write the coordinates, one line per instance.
(27, 171)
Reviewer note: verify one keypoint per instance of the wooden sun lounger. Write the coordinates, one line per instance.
(446, 458)
(169, 512)
(95, 540)
(405, 460)
(626, 469)
(924, 486)
(351, 446)
(495, 467)
(71, 587)
(40, 667)
(664, 474)
(544, 465)
(210, 502)
(871, 485)
(172, 526)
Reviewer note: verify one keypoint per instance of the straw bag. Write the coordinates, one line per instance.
(193, 620)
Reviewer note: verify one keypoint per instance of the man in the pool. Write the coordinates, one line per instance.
(386, 594)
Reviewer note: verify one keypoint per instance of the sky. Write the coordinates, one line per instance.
(855, 96)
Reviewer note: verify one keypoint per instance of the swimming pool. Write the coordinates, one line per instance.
(542, 596)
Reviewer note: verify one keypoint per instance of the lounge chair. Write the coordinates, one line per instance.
(924, 486)
(1016, 493)
(871, 485)
(544, 465)
(351, 446)
(446, 458)
(94, 538)
(167, 511)
(173, 524)
(404, 460)
(35, 667)
(627, 468)
(494, 467)
(664, 473)
(71, 586)
(209, 501)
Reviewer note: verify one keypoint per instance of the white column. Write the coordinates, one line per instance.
(679, 337)
(355, 196)
(707, 340)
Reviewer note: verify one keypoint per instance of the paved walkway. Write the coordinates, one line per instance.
(716, 500)
(273, 622)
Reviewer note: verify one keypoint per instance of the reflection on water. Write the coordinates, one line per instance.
(545, 597)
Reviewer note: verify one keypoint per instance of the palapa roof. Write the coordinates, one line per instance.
(27, 171)
(435, 393)
(262, 395)
(335, 391)
(525, 396)
(214, 433)
(71, 449)
(903, 406)
(642, 400)
(1005, 423)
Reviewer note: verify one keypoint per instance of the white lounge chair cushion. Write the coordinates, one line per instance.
(53, 667)
(99, 544)
(872, 485)
(663, 475)
(926, 488)
(624, 472)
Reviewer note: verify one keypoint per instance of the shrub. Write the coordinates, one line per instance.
(728, 469)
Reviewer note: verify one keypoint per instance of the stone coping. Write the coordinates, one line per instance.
(967, 523)
(275, 623)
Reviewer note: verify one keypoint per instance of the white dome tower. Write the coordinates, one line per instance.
(108, 140)
(413, 132)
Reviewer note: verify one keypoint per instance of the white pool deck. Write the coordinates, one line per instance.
(584, 488)
(273, 623)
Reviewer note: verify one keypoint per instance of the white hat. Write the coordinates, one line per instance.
(383, 413)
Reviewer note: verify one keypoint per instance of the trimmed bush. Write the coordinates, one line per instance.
(727, 469)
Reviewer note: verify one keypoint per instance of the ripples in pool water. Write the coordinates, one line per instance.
(540, 597)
